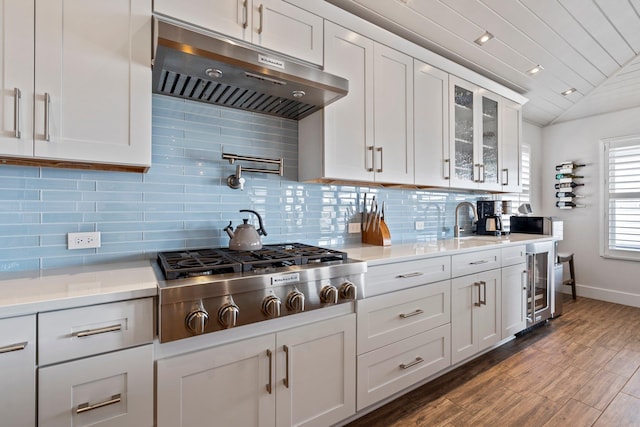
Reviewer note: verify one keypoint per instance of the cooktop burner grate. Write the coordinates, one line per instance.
(197, 262)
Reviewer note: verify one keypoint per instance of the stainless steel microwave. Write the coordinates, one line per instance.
(546, 225)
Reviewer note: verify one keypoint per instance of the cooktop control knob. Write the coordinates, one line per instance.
(329, 294)
(295, 300)
(271, 306)
(196, 321)
(228, 315)
(348, 291)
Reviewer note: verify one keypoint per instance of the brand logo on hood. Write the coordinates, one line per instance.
(271, 61)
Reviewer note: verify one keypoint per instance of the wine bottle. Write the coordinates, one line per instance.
(567, 175)
(568, 205)
(567, 185)
(568, 165)
(567, 194)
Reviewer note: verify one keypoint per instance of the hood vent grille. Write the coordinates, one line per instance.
(194, 64)
(198, 89)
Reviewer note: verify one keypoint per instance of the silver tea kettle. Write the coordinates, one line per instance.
(246, 237)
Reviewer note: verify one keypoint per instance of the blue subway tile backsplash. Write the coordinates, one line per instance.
(184, 202)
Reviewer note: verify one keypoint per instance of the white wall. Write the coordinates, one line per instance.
(578, 140)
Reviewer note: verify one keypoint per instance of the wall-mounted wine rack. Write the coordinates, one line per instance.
(567, 196)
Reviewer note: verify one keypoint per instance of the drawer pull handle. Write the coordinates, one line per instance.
(414, 363)
(13, 347)
(407, 275)
(90, 332)
(482, 261)
(413, 313)
(86, 407)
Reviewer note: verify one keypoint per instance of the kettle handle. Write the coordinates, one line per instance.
(261, 230)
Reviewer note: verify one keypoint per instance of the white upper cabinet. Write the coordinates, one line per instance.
(368, 134)
(431, 124)
(16, 77)
(89, 100)
(273, 24)
(393, 116)
(511, 169)
(347, 125)
(475, 136)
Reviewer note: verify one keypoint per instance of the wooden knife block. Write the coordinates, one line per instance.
(378, 235)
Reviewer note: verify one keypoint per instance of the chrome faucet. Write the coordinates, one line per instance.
(456, 229)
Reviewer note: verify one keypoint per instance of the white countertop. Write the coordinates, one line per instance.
(45, 290)
(409, 251)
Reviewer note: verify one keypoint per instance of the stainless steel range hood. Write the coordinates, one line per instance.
(192, 64)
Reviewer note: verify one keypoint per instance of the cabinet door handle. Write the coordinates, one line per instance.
(505, 173)
(370, 149)
(483, 284)
(270, 356)
(86, 407)
(523, 280)
(17, 100)
(476, 166)
(482, 261)
(245, 14)
(479, 303)
(47, 108)
(446, 170)
(97, 331)
(260, 12)
(286, 366)
(481, 172)
(407, 275)
(414, 363)
(13, 347)
(413, 313)
(381, 166)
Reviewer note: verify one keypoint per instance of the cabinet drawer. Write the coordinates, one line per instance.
(474, 262)
(385, 278)
(395, 367)
(18, 371)
(114, 389)
(392, 317)
(512, 255)
(85, 331)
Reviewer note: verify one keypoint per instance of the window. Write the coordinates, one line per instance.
(621, 198)
(518, 199)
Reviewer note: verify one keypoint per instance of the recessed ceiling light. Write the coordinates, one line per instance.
(484, 38)
(536, 69)
(569, 91)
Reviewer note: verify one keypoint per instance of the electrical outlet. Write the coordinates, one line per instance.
(354, 227)
(83, 240)
(419, 225)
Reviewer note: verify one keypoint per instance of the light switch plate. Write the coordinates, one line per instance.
(419, 225)
(83, 240)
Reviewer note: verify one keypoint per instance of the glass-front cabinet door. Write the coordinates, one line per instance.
(475, 144)
(463, 143)
(489, 172)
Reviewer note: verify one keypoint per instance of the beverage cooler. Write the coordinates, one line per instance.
(540, 289)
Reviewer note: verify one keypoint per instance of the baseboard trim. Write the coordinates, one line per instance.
(609, 295)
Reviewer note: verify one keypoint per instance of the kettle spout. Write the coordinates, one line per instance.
(229, 230)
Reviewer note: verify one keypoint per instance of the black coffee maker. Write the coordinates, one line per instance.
(489, 217)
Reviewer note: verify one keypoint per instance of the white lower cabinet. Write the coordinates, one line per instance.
(300, 376)
(392, 368)
(475, 313)
(18, 371)
(403, 336)
(112, 389)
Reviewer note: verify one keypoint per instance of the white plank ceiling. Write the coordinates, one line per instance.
(590, 45)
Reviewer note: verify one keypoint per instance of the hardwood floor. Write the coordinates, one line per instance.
(580, 369)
